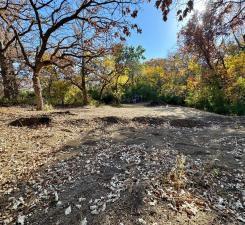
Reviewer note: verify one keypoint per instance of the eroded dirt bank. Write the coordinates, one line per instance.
(118, 166)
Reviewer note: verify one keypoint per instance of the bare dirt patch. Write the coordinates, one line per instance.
(112, 165)
(110, 120)
(149, 120)
(31, 122)
(189, 123)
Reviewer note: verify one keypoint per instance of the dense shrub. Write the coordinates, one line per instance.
(145, 91)
(110, 98)
(210, 98)
(26, 97)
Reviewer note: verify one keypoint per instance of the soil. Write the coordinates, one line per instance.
(120, 166)
(31, 122)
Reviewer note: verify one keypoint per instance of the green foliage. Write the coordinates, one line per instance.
(61, 92)
(94, 93)
(210, 98)
(179, 80)
(6, 102)
(173, 93)
(73, 96)
(110, 97)
(48, 107)
(94, 103)
(142, 89)
(237, 91)
(173, 99)
(26, 97)
(55, 92)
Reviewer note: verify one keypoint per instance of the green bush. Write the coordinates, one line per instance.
(210, 98)
(73, 96)
(94, 103)
(26, 97)
(110, 98)
(48, 107)
(173, 99)
(94, 93)
(145, 91)
(238, 108)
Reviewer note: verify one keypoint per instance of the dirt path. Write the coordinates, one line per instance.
(113, 166)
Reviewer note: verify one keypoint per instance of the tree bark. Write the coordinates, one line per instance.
(84, 89)
(38, 91)
(102, 90)
(9, 79)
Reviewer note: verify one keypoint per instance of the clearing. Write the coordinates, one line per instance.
(121, 166)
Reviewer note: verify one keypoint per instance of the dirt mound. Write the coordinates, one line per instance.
(149, 120)
(110, 120)
(189, 123)
(31, 121)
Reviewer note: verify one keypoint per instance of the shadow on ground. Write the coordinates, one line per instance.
(105, 179)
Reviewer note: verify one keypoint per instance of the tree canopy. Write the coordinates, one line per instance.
(78, 49)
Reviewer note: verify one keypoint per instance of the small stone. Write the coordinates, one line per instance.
(82, 199)
(59, 203)
(68, 211)
(56, 197)
(103, 207)
(93, 207)
(84, 221)
(78, 206)
(152, 203)
(21, 220)
(142, 221)
(95, 212)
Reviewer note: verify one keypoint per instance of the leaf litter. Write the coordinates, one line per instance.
(37, 174)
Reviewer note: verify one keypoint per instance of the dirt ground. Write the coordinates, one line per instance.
(122, 166)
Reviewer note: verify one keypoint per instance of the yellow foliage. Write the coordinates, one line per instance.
(193, 66)
(152, 74)
(236, 65)
(122, 80)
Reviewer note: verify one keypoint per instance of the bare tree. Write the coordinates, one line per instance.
(7, 54)
(51, 24)
(91, 43)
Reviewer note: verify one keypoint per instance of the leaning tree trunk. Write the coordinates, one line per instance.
(102, 90)
(38, 91)
(10, 87)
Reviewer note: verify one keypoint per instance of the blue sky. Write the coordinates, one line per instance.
(158, 37)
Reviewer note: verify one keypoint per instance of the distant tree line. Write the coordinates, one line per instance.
(63, 52)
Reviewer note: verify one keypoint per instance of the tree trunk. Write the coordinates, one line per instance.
(38, 91)
(84, 89)
(9, 79)
(116, 85)
(102, 90)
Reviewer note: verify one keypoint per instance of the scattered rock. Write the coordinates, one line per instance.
(68, 211)
(21, 220)
(84, 221)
